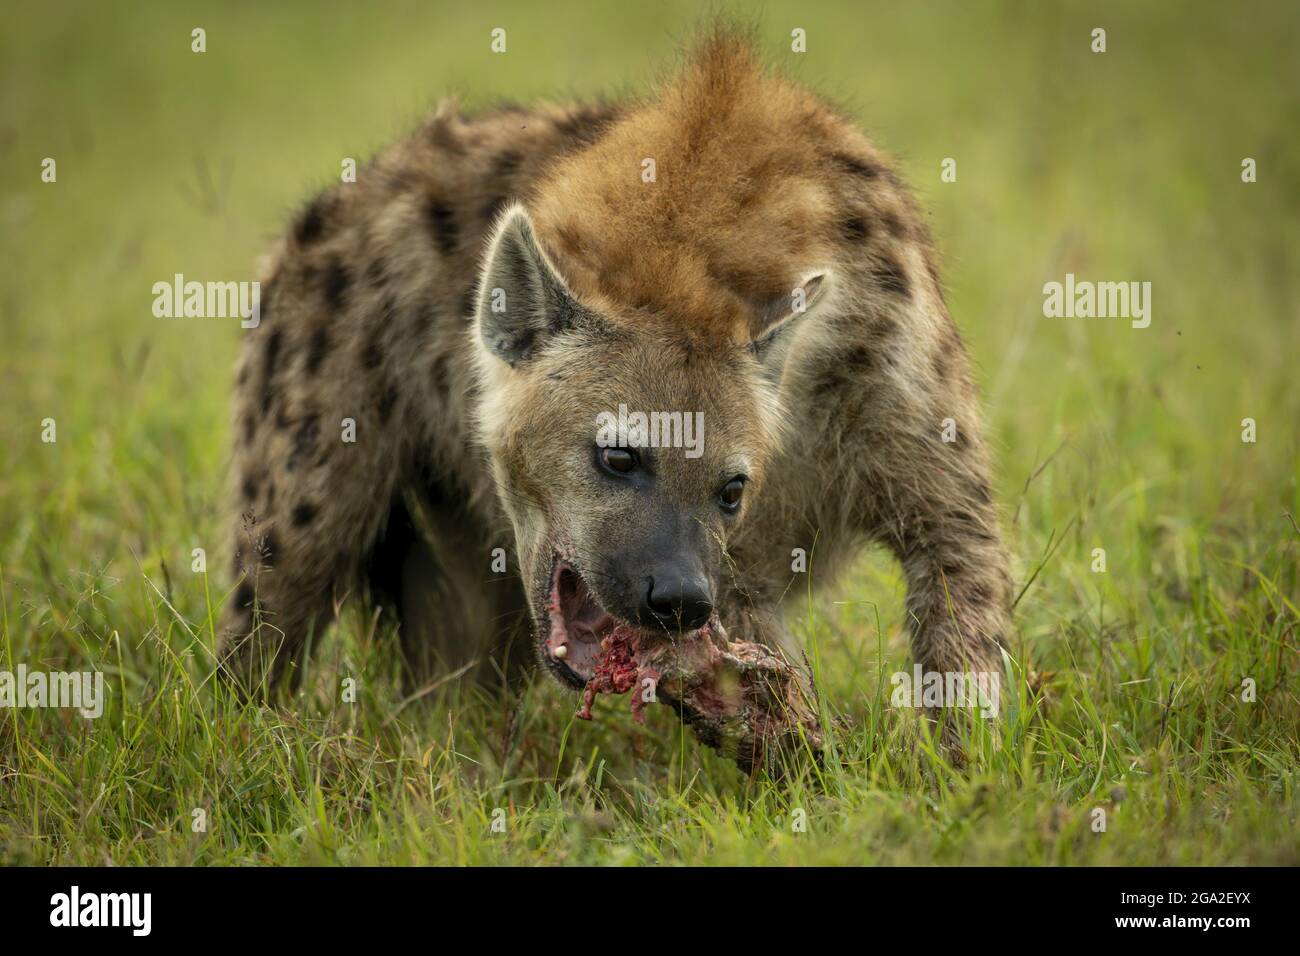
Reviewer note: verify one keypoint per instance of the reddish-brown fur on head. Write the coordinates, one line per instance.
(738, 210)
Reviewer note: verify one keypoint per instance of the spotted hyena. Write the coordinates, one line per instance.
(440, 338)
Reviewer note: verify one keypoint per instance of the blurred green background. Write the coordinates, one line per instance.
(1122, 166)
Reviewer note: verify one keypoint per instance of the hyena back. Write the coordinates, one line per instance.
(439, 337)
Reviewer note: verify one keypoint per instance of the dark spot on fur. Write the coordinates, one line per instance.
(304, 441)
(250, 427)
(832, 381)
(587, 123)
(894, 226)
(855, 228)
(435, 488)
(439, 372)
(271, 352)
(507, 163)
(569, 239)
(949, 340)
(399, 180)
(855, 167)
(271, 355)
(468, 303)
(303, 513)
(442, 224)
(270, 495)
(244, 596)
(311, 224)
(377, 271)
(880, 331)
(889, 273)
(317, 349)
(442, 133)
(423, 317)
(372, 356)
(249, 488)
(939, 364)
(268, 292)
(859, 358)
(337, 281)
(386, 402)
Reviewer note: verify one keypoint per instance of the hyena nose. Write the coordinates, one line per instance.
(676, 601)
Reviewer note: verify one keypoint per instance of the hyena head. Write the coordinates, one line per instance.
(625, 450)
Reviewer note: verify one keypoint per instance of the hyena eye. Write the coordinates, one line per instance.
(731, 492)
(621, 461)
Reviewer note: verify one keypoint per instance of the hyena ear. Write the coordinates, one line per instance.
(521, 297)
(777, 319)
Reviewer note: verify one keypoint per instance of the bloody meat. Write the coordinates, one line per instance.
(616, 670)
(740, 698)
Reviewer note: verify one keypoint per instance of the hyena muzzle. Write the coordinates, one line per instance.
(441, 339)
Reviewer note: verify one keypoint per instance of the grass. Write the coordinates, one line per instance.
(1128, 683)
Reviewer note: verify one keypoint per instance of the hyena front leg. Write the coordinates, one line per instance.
(958, 588)
(923, 490)
(459, 612)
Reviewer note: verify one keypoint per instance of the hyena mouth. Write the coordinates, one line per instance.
(588, 647)
(739, 697)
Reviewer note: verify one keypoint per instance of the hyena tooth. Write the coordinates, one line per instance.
(561, 652)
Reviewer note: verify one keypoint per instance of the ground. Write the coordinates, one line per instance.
(1123, 165)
